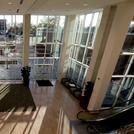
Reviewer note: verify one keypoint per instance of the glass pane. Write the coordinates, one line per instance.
(19, 25)
(87, 57)
(10, 28)
(111, 92)
(131, 71)
(57, 50)
(51, 29)
(84, 36)
(94, 23)
(34, 20)
(132, 99)
(80, 54)
(76, 49)
(42, 19)
(40, 50)
(131, 27)
(41, 29)
(79, 29)
(48, 50)
(86, 29)
(55, 32)
(76, 72)
(93, 28)
(62, 21)
(82, 78)
(42, 72)
(55, 69)
(122, 65)
(50, 36)
(3, 27)
(126, 89)
(2, 16)
(51, 23)
(72, 51)
(33, 30)
(70, 70)
(129, 44)
(19, 19)
(60, 29)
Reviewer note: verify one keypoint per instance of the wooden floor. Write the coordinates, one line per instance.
(55, 107)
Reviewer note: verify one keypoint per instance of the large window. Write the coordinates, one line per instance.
(82, 45)
(121, 88)
(46, 40)
(11, 30)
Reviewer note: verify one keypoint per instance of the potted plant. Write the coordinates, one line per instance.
(25, 72)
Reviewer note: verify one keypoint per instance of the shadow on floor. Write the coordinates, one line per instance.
(15, 96)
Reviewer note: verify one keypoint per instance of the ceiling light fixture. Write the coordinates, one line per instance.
(21, 2)
(85, 4)
(10, 3)
(67, 4)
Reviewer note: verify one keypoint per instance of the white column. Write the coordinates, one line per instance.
(26, 33)
(68, 32)
(113, 45)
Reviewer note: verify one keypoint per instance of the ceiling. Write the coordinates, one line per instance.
(61, 7)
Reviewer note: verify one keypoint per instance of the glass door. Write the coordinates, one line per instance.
(46, 40)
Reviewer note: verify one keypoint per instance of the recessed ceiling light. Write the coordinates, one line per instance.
(67, 4)
(21, 2)
(10, 3)
(85, 4)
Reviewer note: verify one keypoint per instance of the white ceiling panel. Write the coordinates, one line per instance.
(52, 6)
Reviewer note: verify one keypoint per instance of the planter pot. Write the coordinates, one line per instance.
(26, 82)
(25, 72)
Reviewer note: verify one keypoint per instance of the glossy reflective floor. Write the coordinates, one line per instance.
(55, 107)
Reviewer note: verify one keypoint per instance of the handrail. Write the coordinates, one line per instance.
(97, 114)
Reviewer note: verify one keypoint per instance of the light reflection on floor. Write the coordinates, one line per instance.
(20, 122)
